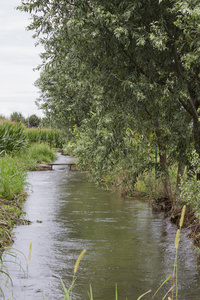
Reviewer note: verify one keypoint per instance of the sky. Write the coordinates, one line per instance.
(18, 58)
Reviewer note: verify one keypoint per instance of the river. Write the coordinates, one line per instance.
(127, 244)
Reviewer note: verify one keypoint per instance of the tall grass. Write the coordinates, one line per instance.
(41, 153)
(36, 154)
(12, 137)
(50, 136)
(12, 177)
(13, 169)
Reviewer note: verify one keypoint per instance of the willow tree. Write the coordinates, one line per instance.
(140, 56)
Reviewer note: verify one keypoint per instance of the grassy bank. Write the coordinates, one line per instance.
(13, 174)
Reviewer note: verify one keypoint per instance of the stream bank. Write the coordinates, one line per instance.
(127, 243)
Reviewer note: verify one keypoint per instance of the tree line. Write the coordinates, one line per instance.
(122, 79)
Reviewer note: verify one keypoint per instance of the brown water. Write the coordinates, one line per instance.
(126, 243)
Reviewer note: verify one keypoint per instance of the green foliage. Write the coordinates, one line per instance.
(36, 154)
(12, 177)
(17, 117)
(113, 66)
(12, 137)
(13, 170)
(33, 121)
(52, 137)
(41, 153)
(190, 187)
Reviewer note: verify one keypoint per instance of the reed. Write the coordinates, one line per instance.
(177, 239)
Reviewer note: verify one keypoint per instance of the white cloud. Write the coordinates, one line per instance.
(18, 57)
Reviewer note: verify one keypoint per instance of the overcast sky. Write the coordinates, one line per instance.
(18, 57)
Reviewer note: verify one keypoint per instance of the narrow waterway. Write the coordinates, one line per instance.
(126, 243)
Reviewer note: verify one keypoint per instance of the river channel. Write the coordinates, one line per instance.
(127, 244)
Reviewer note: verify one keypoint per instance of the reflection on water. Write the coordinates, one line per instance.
(126, 243)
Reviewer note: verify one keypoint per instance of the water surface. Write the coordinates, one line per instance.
(126, 243)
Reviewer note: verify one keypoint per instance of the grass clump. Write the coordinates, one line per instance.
(13, 177)
(36, 154)
(41, 153)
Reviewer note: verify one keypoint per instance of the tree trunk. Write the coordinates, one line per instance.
(164, 171)
(196, 131)
(163, 161)
(180, 173)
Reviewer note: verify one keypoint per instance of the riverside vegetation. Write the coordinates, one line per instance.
(125, 91)
(19, 153)
(121, 79)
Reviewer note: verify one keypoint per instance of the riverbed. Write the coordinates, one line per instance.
(127, 244)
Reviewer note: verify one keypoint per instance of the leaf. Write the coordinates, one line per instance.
(162, 285)
(143, 295)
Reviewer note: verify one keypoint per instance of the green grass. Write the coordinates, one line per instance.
(13, 177)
